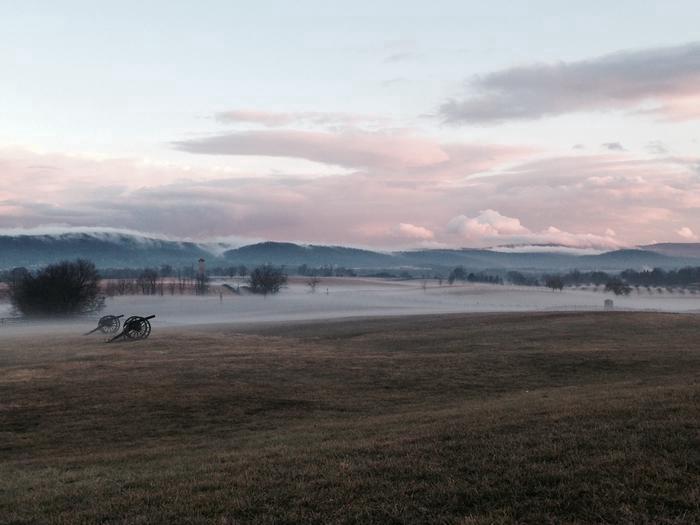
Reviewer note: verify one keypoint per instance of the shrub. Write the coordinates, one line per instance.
(267, 279)
(618, 287)
(554, 282)
(65, 288)
(458, 274)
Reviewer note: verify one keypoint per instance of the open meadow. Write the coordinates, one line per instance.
(536, 417)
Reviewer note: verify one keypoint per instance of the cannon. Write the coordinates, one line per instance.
(108, 324)
(135, 328)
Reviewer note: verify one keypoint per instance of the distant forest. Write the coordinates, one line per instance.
(687, 277)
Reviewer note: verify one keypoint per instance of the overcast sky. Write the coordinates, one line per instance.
(381, 124)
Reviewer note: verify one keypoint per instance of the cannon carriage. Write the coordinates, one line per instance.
(107, 324)
(135, 328)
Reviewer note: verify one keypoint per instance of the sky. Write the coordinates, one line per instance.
(377, 124)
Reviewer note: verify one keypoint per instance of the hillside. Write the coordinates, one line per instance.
(119, 250)
(283, 253)
(675, 249)
(107, 250)
(476, 259)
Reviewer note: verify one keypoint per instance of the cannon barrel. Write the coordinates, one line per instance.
(149, 317)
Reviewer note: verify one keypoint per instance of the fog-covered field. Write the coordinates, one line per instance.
(335, 298)
(344, 297)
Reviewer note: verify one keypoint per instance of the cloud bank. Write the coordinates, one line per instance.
(397, 150)
(489, 226)
(475, 198)
(662, 82)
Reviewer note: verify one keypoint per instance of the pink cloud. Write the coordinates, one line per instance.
(687, 233)
(676, 108)
(411, 231)
(396, 153)
(470, 199)
(667, 76)
(488, 223)
(352, 149)
(491, 227)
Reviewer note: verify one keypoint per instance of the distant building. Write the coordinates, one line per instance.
(202, 268)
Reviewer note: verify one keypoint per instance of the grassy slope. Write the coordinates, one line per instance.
(536, 418)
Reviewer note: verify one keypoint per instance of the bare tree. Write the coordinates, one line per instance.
(148, 281)
(312, 282)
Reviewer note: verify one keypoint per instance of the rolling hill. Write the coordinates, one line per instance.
(106, 250)
(121, 250)
(675, 249)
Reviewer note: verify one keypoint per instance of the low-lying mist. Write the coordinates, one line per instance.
(338, 298)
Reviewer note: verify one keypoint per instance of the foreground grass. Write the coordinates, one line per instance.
(532, 418)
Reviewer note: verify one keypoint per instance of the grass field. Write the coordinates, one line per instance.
(488, 418)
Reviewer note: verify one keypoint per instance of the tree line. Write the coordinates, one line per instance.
(460, 273)
(684, 277)
(76, 287)
(619, 283)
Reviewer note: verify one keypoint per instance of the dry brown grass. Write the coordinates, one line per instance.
(530, 418)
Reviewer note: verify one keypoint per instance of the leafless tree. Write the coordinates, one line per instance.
(312, 282)
(147, 281)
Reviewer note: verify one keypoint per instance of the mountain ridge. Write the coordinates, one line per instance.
(125, 250)
(675, 249)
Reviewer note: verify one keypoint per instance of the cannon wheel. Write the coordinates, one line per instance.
(109, 324)
(136, 327)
